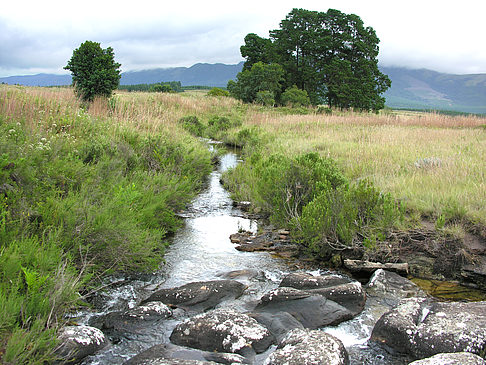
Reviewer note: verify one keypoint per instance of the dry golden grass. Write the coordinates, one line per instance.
(433, 162)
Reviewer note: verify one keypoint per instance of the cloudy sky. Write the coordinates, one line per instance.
(40, 36)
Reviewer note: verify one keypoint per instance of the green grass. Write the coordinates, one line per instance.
(84, 193)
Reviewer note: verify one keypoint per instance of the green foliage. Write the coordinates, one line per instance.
(334, 219)
(294, 97)
(261, 77)
(170, 86)
(192, 124)
(310, 194)
(161, 88)
(331, 55)
(265, 97)
(94, 71)
(216, 91)
(81, 197)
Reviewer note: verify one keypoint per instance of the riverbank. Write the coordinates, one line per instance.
(85, 192)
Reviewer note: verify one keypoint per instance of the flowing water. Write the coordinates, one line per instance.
(201, 250)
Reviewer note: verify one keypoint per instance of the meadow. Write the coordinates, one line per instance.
(88, 190)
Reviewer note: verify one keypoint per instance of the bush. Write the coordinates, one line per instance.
(310, 195)
(216, 91)
(295, 97)
(333, 220)
(265, 98)
(192, 124)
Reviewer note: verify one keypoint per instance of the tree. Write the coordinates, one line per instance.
(330, 55)
(295, 97)
(260, 77)
(94, 71)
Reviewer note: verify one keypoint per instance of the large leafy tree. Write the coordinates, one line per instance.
(331, 55)
(94, 70)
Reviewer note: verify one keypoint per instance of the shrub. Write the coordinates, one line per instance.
(192, 124)
(333, 220)
(295, 97)
(216, 91)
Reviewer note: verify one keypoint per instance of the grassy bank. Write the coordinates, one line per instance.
(85, 191)
(433, 163)
(89, 190)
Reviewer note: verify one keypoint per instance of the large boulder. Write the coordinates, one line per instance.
(339, 289)
(169, 353)
(77, 342)
(311, 310)
(136, 318)
(457, 358)
(223, 331)
(422, 327)
(201, 295)
(304, 347)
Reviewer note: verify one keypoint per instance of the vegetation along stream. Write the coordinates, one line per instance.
(202, 251)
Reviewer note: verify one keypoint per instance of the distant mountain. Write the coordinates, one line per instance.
(426, 89)
(199, 74)
(412, 89)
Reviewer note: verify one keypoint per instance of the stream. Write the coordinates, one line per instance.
(201, 250)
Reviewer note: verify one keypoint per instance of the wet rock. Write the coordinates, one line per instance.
(223, 331)
(342, 290)
(422, 327)
(458, 358)
(304, 347)
(77, 342)
(200, 295)
(166, 353)
(311, 310)
(391, 287)
(246, 274)
(279, 324)
(135, 319)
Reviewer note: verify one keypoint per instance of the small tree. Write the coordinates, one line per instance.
(295, 97)
(94, 71)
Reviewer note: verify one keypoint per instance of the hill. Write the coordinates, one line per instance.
(411, 89)
(426, 89)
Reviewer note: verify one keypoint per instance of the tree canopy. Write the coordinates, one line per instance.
(330, 55)
(94, 70)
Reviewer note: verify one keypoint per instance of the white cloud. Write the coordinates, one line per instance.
(41, 35)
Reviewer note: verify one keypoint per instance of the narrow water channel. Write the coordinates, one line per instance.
(201, 250)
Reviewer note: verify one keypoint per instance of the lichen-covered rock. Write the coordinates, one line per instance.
(170, 353)
(457, 358)
(199, 295)
(423, 328)
(133, 319)
(77, 342)
(342, 290)
(223, 331)
(311, 310)
(304, 347)
(391, 287)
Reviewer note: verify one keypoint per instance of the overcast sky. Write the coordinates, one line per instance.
(40, 36)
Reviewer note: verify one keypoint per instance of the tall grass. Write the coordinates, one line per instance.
(432, 162)
(86, 190)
